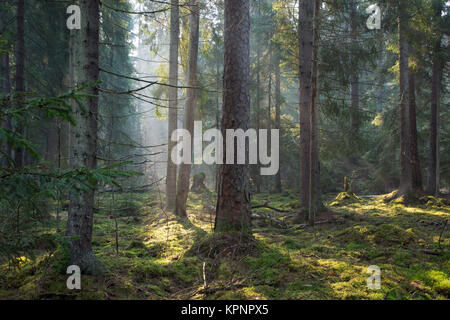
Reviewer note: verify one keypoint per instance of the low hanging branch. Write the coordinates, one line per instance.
(153, 82)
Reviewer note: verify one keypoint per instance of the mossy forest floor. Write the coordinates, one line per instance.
(163, 257)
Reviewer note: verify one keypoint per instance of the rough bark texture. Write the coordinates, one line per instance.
(171, 174)
(278, 186)
(405, 160)
(305, 39)
(433, 166)
(233, 203)
(415, 160)
(184, 171)
(84, 142)
(20, 67)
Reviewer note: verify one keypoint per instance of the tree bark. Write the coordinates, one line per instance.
(233, 203)
(433, 166)
(5, 87)
(184, 171)
(415, 160)
(305, 38)
(171, 174)
(278, 186)
(314, 145)
(20, 82)
(405, 160)
(255, 170)
(84, 143)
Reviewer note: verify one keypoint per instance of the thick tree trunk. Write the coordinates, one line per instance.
(233, 203)
(278, 186)
(433, 166)
(20, 81)
(84, 144)
(305, 39)
(184, 171)
(415, 160)
(405, 160)
(171, 174)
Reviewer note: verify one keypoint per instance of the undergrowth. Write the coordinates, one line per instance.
(163, 257)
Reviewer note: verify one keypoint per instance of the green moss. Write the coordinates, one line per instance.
(345, 198)
(161, 257)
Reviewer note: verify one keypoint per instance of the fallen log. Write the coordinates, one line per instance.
(266, 205)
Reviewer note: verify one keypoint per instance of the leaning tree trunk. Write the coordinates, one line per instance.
(405, 163)
(278, 186)
(84, 141)
(20, 81)
(189, 113)
(171, 173)
(305, 38)
(233, 203)
(415, 161)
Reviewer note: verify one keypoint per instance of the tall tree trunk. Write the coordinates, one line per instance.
(415, 160)
(405, 160)
(84, 144)
(305, 38)
(5, 85)
(433, 166)
(354, 84)
(184, 172)
(233, 203)
(314, 145)
(278, 186)
(255, 171)
(433, 171)
(73, 55)
(218, 79)
(171, 175)
(20, 66)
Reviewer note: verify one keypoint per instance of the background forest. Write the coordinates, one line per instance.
(90, 96)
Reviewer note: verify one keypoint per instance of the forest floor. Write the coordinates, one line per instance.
(163, 257)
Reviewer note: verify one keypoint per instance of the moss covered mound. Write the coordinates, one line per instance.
(385, 234)
(345, 198)
(431, 201)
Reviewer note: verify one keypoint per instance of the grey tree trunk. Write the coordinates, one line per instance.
(20, 81)
(305, 38)
(278, 186)
(84, 142)
(171, 174)
(405, 161)
(233, 202)
(184, 171)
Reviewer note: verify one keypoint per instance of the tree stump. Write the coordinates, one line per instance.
(198, 185)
